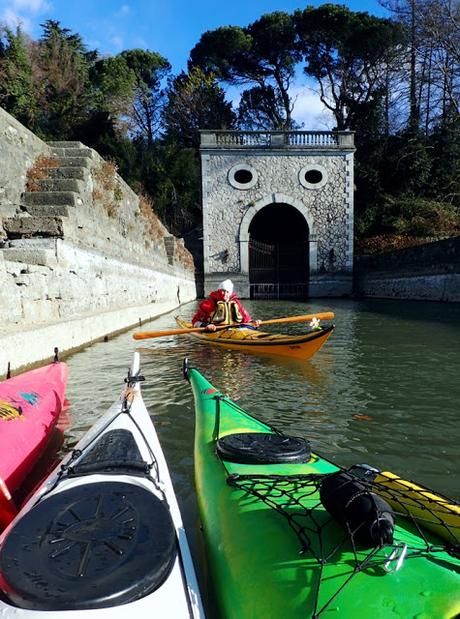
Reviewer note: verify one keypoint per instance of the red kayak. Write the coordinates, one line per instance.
(30, 404)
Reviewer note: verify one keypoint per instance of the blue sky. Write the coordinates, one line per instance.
(170, 27)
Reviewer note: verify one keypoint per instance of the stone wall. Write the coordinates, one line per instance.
(429, 272)
(77, 247)
(19, 148)
(278, 170)
(62, 281)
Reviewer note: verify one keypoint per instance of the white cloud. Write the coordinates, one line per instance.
(124, 10)
(31, 6)
(309, 111)
(117, 42)
(12, 19)
(19, 13)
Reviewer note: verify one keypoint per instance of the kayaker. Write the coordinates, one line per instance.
(222, 307)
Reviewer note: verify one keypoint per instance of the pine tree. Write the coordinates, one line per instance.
(17, 91)
(195, 101)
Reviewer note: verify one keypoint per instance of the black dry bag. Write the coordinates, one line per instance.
(367, 517)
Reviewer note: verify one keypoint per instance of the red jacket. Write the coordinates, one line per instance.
(208, 307)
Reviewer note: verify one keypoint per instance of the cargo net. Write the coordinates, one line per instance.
(368, 505)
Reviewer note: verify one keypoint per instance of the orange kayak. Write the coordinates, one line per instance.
(301, 346)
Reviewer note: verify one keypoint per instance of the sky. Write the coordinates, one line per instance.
(170, 27)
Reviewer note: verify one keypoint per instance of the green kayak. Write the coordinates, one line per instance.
(288, 534)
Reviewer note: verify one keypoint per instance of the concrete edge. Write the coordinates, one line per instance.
(34, 347)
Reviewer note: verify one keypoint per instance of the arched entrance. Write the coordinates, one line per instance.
(278, 253)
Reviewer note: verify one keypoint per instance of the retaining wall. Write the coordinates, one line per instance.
(19, 148)
(81, 255)
(429, 272)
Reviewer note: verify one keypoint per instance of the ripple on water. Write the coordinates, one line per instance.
(384, 388)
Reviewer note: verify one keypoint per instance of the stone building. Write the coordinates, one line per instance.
(278, 212)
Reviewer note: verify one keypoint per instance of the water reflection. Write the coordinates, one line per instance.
(384, 389)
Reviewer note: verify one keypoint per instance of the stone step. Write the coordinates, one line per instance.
(31, 251)
(7, 210)
(65, 144)
(61, 184)
(40, 257)
(72, 152)
(36, 243)
(28, 227)
(50, 197)
(48, 210)
(69, 172)
(70, 162)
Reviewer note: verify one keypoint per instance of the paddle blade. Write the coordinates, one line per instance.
(302, 318)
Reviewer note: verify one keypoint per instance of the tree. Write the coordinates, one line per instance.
(262, 55)
(445, 141)
(171, 175)
(17, 88)
(440, 25)
(432, 59)
(260, 107)
(148, 69)
(64, 63)
(114, 83)
(195, 101)
(347, 52)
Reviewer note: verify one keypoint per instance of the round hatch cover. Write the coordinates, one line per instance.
(92, 546)
(263, 448)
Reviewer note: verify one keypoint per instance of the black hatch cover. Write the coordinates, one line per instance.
(93, 546)
(263, 448)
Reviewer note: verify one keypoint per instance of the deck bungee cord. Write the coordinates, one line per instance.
(66, 470)
(315, 537)
(290, 495)
(103, 534)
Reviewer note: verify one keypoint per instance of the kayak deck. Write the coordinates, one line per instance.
(268, 521)
(103, 535)
(30, 404)
(301, 346)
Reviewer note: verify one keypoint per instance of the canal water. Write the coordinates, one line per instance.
(384, 389)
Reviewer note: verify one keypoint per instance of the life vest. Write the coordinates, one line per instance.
(226, 313)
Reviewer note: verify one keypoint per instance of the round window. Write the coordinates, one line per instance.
(313, 176)
(242, 176)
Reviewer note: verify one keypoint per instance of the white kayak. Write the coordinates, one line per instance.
(103, 536)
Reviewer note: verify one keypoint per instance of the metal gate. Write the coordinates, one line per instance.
(278, 270)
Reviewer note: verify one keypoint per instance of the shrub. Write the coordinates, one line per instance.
(154, 226)
(183, 255)
(40, 171)
(105, 175)
(107, 191)
(420, 217)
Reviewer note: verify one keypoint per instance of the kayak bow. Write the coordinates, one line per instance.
(274, 550)
(30, 404)
(103, 536)
(301, 346)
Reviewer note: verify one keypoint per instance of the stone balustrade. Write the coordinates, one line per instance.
(277, 139)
